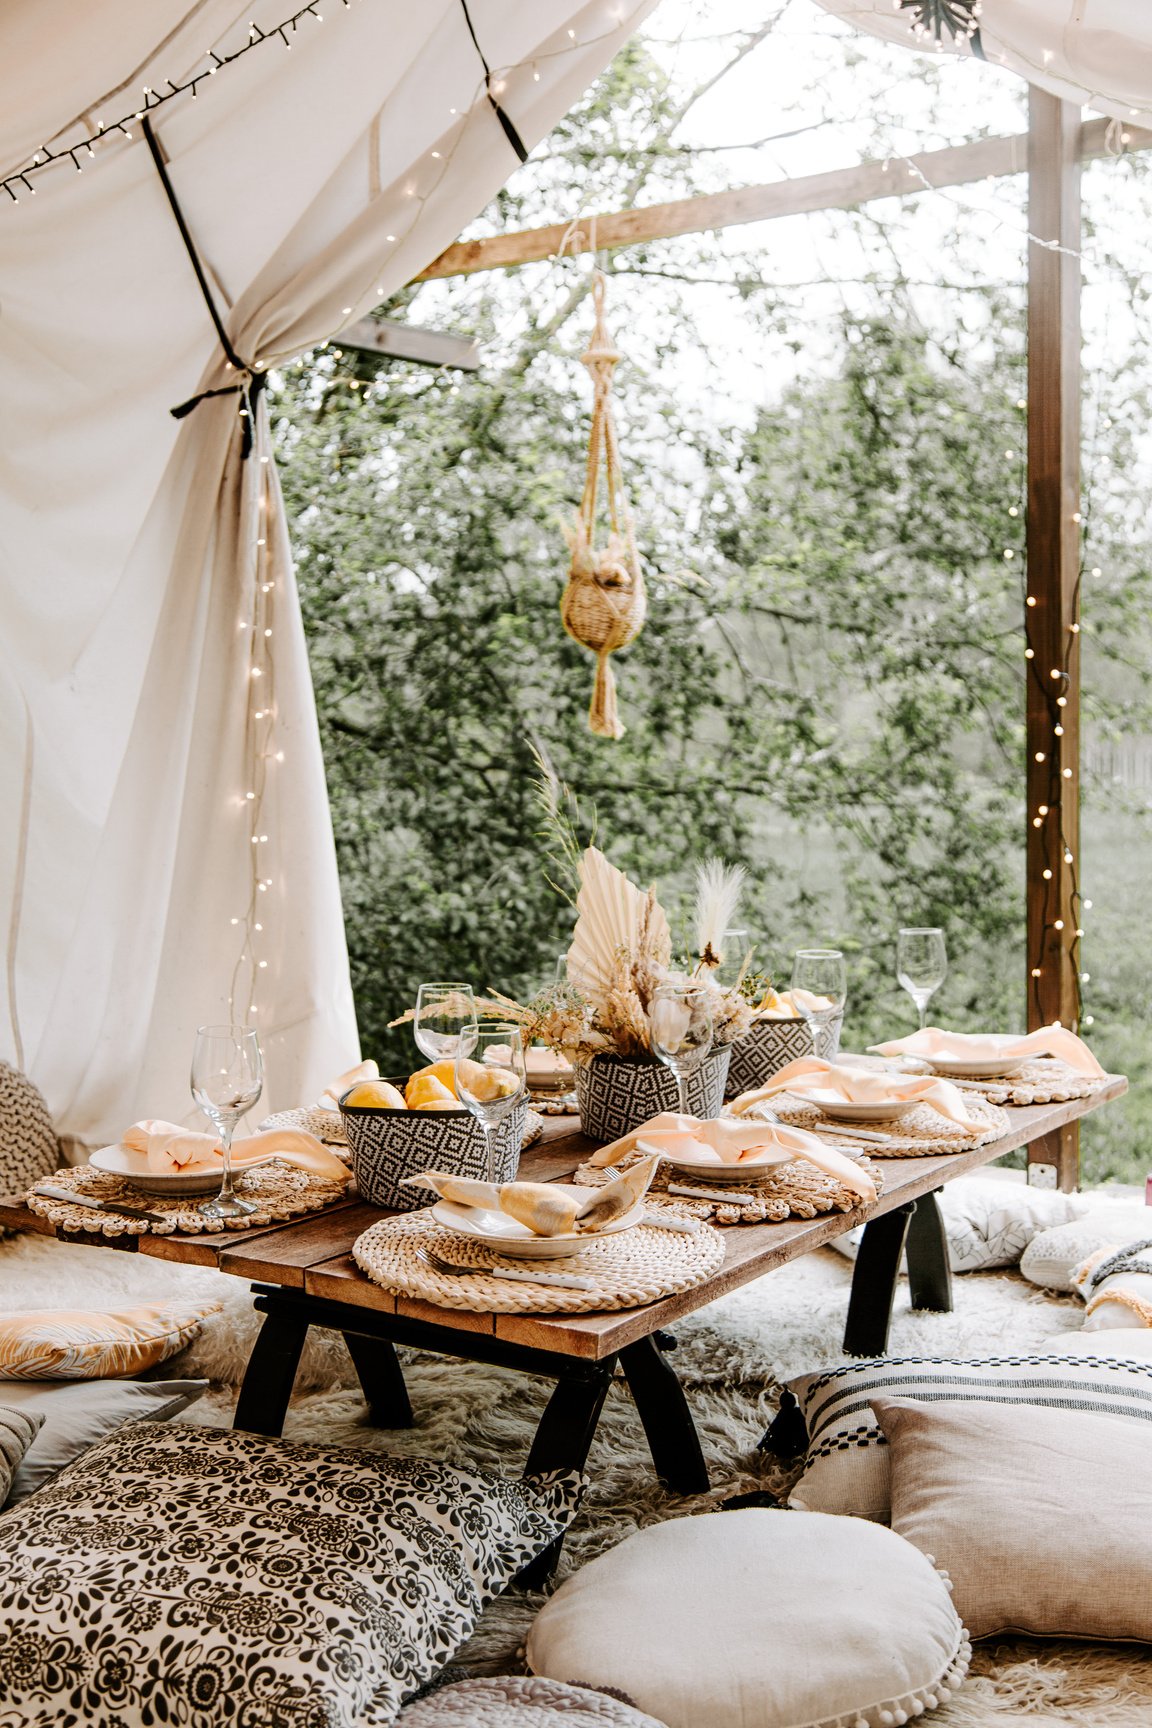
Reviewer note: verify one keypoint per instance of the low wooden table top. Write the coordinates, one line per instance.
(313, 1254)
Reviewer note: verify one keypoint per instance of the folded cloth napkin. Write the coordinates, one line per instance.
(546, 1209)
(363, 1071)
(170, 1148)
(721, 1141)
(993, 1046)
(809, 1077)
(792, 1004)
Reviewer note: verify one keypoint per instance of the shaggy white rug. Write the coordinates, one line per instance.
(731, 1358)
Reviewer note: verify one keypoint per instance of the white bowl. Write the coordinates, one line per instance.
(955, 1068)
(713, 1170)
(508, 1236)
(133, 1167)
(844, 1110)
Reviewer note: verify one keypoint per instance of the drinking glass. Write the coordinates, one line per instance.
(227, 1079)
(444, 1014)
(734, 946)
(820, 974)
(680, 1020)
(490, 1079)
(921, 965)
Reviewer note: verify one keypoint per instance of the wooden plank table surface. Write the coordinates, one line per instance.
(312, 1255)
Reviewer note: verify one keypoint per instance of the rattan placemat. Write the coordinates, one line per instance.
(1044, 1080)
(327, 1125)
(796, 1190)
(923, 1133)
(629, 1268)
(280, 1192)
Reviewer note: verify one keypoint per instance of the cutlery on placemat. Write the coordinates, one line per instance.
(48, 1191)
(562, 1280)
(868, 1136)
(726, 1194)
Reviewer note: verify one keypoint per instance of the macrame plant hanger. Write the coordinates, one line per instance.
(604, 603)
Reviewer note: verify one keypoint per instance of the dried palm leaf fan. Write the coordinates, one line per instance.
(604, 604)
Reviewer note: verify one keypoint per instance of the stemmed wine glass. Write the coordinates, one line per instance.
(820, 974)
(734, 946)
(921, 965)
(445, 1012)
(680, 1022)
(490, 1078)
(227, 1079)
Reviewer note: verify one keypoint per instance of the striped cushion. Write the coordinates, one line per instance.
(73, 1344)
(846, 1467)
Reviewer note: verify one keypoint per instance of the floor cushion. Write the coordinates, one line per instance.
(28, 1144)
(78, 1344)
(18, 1429)
(846, 1464)
(75, 1414)
(1132, 1343)
(520, 1701)
(1041, 1517)
(1053, 1255)
(989, 1222)
(203, 1575)
(758, 1619)
(1116, 1284)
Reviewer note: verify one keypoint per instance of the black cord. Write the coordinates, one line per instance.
(510, 131)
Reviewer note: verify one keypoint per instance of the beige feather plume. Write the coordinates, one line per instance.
(612, 915)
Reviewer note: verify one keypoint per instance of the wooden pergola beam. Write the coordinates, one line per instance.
(839, 189)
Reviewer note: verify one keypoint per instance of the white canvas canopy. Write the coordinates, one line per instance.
(166, 854)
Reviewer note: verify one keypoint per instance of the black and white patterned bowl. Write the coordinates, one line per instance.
(616, 1096)
(388, 1145)
(769, 1046)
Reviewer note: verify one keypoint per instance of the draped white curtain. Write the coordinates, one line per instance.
(1097, 53)
(166, 853)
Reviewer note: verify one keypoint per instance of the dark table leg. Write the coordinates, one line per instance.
(874, 1282)
(929, 1272)
(562, 1442)
(381, 1380)
(672, 1437)
(271, 1372)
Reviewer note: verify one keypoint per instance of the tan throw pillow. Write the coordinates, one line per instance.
(18, 1429)
(1040, 1516)
(71, 1344)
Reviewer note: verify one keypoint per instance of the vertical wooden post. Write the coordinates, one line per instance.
(1053, 550)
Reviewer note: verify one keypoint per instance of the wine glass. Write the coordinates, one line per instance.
(819, 975)
(490, 1078)
(680, 1022)
(444, 1014)
(227, 1079)
(734, 946)
(921, 965)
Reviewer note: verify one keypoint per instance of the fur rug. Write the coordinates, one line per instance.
(731, 1358)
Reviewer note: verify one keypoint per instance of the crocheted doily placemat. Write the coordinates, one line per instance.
(628, 1269)
(1044, 1080)
(796, 1190)
(279, 1192)
(921, 1134)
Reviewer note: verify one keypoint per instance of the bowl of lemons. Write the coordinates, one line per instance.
(396, 1129)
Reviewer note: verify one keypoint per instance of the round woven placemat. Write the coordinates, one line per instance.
(796, 1190)
(1044, 1080)
(629, 1268)
(279, 1192)
(327, 1125)
(921, 1134)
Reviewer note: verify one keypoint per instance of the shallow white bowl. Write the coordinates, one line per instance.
(713, 1171)
(508, 1236)
(133, 1167)
(844, 1110)
(953, 1068)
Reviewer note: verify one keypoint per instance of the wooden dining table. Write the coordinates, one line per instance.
(303, 1274)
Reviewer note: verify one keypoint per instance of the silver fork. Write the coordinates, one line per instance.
(562, 1280)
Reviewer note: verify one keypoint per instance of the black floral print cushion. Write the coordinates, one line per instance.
(205, 1578)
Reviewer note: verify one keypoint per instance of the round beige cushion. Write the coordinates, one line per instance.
(759, 1619)
(1053, 1255)
(520, 1701)
(1126, 1342)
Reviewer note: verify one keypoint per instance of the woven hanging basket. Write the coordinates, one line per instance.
(604, 603)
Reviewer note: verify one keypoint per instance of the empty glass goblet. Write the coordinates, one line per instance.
(819, 991)
(444, 1013)
(921, 964)
(227, 1079)
(680, 1026)
(490, 1079)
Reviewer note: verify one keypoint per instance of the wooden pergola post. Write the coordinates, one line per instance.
(1052, 609)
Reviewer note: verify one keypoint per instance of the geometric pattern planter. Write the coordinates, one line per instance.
(616, 1095)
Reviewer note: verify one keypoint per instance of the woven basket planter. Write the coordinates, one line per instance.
(615, 1096)
(770, 1046)
(388, 1145)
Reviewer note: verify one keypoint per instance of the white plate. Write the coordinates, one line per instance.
(133, 1167)
(953, 1068)
(844, 1110)
(715, 1171)
(514, 1239)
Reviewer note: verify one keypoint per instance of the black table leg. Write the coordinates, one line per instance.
(562, 1442)
(874, 1282)
(672, 1437)
(929, 1271)
(381, 1380)
(271, 1372)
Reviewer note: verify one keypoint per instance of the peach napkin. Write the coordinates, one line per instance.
(732, 1143)
(170, 1148)
(990, 1047)
(792, 1004)
(808, 1077)
(363, 1071)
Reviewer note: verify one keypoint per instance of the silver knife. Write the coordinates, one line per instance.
(562, 1280)
(48, 1191)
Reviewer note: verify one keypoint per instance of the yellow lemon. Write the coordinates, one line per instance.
(375, 1095)
(444, 1072)
(426, 1092)
(485, 1081)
